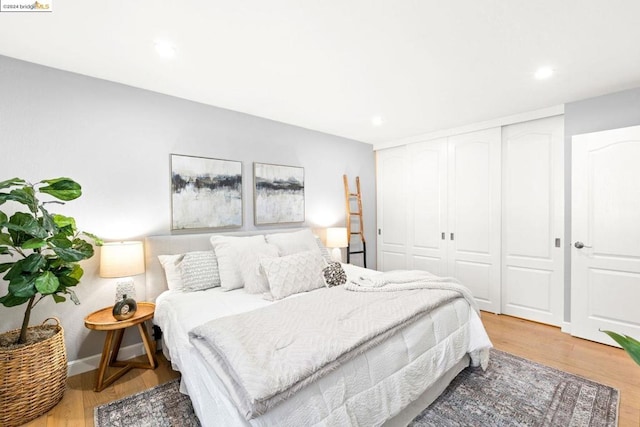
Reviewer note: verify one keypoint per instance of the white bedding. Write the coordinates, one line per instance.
(387, 377)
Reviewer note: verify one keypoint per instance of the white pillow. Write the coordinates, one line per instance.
(294, 242)
(170, 264)
(292, 274)
(239, 262)
(199, 271)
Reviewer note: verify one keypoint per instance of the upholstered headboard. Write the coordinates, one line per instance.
(156, 282)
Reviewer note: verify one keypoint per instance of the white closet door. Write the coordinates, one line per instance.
(533, 218)
(605, 228)
(392, 180)
(427, 198)
(474, 214)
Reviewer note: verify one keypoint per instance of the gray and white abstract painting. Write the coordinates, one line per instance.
(278, 193)
(205, 193)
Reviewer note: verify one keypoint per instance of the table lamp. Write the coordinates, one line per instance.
(123, 260)
(337, 238)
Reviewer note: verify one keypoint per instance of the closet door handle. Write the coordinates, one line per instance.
(580, 245)
(451, 236)
(443, 237)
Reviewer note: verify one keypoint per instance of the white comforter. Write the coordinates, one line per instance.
(409, 361)
(264, 356)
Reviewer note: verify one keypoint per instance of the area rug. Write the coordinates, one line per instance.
(511, 392)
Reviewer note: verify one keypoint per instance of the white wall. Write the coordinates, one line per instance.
(115, 140)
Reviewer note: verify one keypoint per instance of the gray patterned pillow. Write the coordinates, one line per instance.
(334, 275)
(199, 271)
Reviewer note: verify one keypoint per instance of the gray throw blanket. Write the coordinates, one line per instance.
(266, 355)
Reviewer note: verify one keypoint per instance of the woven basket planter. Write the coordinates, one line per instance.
(32, 378)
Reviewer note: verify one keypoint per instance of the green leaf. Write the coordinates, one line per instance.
(33, 263)
(66, 226)
(47, 221)
(58, 298)
(62, 188)
(71, 254)
(54, 263)
(83, 246)
(629, 344)
(47, 283)
(67, 281)
(34, 243)
(23, 227)
(12, 300)
(23, 286)
(76, 272)
(3, 218)
(4, 250)
(30, 264)
(61, 241)
(5, 266)
(64, 221)
(24, 196)
(12, 182)
(5, 239)
(70, 276)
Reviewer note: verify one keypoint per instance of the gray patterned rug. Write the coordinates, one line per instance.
(511, 392)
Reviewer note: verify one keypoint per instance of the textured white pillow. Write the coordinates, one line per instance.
(293, 243)
(292, 274)
(171, 266)
(199, 271)
(239, 262)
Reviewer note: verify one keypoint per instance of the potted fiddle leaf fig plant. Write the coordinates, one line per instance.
(39, 256)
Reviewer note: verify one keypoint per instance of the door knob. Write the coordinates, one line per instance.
(580, 245)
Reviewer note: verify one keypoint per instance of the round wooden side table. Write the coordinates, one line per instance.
(103, 320)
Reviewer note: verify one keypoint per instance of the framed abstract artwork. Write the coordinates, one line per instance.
(205, 193)
(278, 194)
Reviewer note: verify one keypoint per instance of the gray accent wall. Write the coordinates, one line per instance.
(115, 140)
(612, 111)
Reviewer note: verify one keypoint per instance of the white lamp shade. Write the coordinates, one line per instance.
(121, 259)
(337, 237)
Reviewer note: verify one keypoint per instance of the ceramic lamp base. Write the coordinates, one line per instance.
(336, 254)
(125, 286)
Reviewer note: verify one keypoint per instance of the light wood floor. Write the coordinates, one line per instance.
(541, 343)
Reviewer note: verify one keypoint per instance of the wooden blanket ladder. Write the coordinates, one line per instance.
(357, 215)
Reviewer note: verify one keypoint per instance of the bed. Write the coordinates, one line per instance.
(387, 382)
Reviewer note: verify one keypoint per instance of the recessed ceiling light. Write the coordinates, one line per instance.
(165, 49)
(543, 73)
(377, 120)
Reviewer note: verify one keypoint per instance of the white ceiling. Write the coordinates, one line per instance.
(330, 65)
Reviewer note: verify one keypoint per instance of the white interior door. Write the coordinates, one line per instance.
(605, 259)
(474, 213)
(427, 208)
(533, 220)
(391, 177)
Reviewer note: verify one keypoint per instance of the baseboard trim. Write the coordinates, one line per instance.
(90, 363)
(566, 327)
